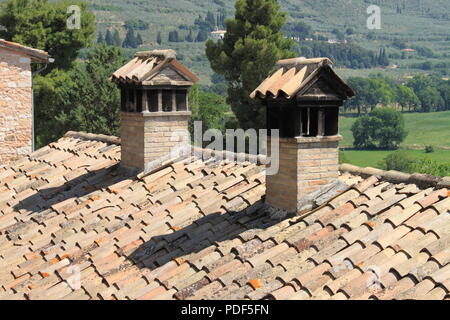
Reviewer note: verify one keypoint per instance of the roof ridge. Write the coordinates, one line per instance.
(420, 179)
(94, 137)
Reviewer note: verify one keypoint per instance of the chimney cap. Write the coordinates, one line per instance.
(296, 75)
(162, 54)
(303, 61)
(149, 68)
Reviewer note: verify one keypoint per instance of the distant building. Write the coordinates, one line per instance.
(218, 34)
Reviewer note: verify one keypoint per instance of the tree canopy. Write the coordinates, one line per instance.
(81, 99)
(248, 53)
(383, 128)
(43, 25)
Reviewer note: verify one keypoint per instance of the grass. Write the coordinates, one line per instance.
(373, 158)
(424, 129)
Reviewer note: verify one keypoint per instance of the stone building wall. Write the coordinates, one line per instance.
(15, 106)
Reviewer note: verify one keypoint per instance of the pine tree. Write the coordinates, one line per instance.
(159, 38)
(116, 39)
(108, 38)
(100, 38)
(248, 53)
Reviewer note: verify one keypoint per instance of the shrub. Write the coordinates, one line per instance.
(399, 161)
(429, 149)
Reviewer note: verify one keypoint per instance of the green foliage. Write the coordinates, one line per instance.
(100, 38)
(139, 40)
(130, 41)
(108, 38)
(406, 97)
(159, 38)
(430, 99)
(370, 93)
(399, 161)
(174, 36)
(190, 36)
(429, 166)
(116, 39)
(136, 24)
(42, 24)
(300, 29)
(403, 162)
(383, 128)
(81, 99)
(429, 149)
(202, 36)
(252, 45)
(211, 109)
(343, 54)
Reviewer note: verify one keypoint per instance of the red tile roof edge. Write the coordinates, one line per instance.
(36, 55)
(422, 180)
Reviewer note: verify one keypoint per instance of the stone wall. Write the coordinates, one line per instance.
(15, 106)
(149, 136)
(305, 164)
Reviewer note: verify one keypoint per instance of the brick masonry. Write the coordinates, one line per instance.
(305, 164)
(15, 105)
(150, 136)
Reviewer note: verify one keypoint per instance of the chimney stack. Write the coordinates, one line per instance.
(154, 106)
(302, 98)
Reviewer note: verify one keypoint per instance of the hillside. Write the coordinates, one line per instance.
(423, 23)
(420, 24)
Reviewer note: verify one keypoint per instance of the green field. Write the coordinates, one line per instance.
(423, 129)
(374, 158)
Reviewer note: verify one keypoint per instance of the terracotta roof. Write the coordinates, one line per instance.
(148, 68)
(36, 55)
(197, 229)
(294, 75)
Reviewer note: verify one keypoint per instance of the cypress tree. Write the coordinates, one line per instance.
(139, 40)
(190, 37)
(116, 38)
(159, 38)
(108, 38)
(202, 36)
(130, 39)
(100, 38)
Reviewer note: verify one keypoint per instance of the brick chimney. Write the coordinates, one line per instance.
(154, 106)
(302, 98)
(16, 99)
